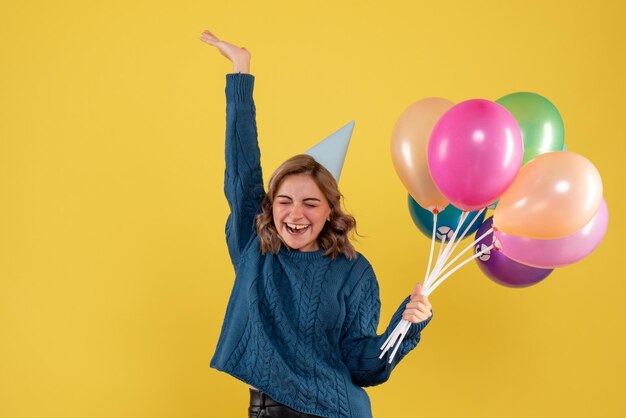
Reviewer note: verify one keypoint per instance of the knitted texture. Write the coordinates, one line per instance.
(299, 326)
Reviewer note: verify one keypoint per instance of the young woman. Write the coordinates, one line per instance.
(302, 317)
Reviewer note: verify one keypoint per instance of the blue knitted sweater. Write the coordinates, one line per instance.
(298, 326)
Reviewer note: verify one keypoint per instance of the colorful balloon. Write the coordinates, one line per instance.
(501, 269)
(447, 221)
(539, 121)
(409, 149)
(557, 252)
(553, 196)
(474, 153)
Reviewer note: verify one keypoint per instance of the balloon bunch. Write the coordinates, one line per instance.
(457, 161)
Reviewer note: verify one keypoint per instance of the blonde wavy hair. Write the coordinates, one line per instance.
(334, 236)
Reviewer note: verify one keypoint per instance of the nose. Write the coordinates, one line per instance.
(296, 211)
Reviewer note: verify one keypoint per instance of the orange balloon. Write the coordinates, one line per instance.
(554, 195)
(409, 150)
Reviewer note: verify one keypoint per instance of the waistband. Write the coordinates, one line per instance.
(258, 398)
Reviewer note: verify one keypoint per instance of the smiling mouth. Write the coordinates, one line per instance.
(295, 229)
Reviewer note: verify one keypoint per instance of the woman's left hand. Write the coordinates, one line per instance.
(419, 308)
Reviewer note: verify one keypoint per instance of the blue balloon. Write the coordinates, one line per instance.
(447, 221)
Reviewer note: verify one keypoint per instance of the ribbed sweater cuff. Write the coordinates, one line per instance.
(239, 87)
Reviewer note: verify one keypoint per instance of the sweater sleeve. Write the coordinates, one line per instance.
(360, 344)
(243, 179)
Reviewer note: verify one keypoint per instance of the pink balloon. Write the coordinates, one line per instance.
(474, 153)
(559, 252)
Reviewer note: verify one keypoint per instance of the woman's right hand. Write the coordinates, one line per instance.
(240, 57)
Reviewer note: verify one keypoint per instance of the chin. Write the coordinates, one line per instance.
(295, 245)
(298, 246)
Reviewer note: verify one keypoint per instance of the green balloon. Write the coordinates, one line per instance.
(539, 120)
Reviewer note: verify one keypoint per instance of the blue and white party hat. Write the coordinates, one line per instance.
(331, 152)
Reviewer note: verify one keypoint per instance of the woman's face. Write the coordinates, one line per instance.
(300, 211)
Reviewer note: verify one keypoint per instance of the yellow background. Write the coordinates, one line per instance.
(114, 274)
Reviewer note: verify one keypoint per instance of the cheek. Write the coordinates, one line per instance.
(278, 213)
(321, 216)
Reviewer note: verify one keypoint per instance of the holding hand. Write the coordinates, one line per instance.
(240, 57)
(419, 308)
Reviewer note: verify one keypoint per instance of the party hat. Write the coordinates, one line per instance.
(331, 152)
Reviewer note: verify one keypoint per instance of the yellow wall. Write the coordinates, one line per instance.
(114, 275)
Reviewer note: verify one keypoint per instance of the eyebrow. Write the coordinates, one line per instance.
(304, 200)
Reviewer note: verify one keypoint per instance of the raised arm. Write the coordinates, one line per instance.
(243, 180)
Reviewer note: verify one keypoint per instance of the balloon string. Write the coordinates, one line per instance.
(387, 341)
(393, 336)
(489, 231)
(441, 257)
(432, 280)
(445, 276)
(432, 246)
(446, 251)
(467, 228)
(443, 241)
(437, 261)
(403, 326)
(403, 331)
(397, 335)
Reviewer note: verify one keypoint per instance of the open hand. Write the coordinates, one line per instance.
(239, 56)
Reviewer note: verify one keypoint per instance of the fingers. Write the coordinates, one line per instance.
(239, 56)
(419, 305)
(209, 34)
(418, 310)
(209, 38)
(420, 298)
(425, 301)
(415, 316)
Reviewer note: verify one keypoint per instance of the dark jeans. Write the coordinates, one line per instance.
(262, 406)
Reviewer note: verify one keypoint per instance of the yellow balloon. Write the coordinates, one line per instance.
(409, 150)
(554, 195)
